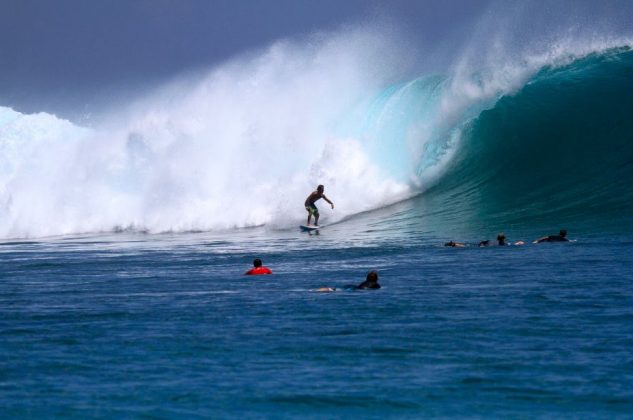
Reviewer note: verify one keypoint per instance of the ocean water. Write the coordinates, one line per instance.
(134, 325)
(123, 245)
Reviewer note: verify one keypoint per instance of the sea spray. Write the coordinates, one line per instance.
(241, 146)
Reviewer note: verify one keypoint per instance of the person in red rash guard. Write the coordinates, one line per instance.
(258, 269)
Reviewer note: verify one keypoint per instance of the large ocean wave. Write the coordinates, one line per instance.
(557, 151)
(547, 136)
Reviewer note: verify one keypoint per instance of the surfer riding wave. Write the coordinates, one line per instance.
(312, 208)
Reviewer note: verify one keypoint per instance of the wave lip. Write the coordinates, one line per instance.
(557, 150)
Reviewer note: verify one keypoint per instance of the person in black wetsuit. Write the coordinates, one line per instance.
(371, 282)
(501, 241)
(561, 237)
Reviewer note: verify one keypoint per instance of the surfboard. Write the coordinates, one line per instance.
(309, 228)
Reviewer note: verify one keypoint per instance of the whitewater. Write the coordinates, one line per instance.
(242, 144)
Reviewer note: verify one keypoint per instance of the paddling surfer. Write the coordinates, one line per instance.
(258, 268)
(311, 208)
(371, 282)
(561, 237)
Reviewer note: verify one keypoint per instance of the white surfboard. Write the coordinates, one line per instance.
(309, 228)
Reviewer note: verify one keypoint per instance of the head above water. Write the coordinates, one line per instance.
(501, 236)
(372, 276)
(320, 188)
(563, 233)
(257, 262)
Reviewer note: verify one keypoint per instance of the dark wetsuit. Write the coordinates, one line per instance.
(368, 285)
(556, 238)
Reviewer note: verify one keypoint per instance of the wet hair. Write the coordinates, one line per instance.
(562, 233)
(257, 262)
(449, 243)
(501, 236)
(372, 276)
(320, 188)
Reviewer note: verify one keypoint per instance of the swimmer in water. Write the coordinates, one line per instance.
(455, 244)
(561, 237)
(371, 282)
(501, 241)
(258, 269)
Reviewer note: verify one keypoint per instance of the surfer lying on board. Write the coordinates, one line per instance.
(371, 282)
(561, 237)
(455, 244)
(311, 208)
(501, 241)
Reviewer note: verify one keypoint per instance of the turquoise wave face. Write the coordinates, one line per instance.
(398, 124)
(558, 152)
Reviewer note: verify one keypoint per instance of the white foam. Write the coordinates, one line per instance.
(245, 143)
(240, 146)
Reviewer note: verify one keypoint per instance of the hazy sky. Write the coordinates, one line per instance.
(56, 51)
(56, 54)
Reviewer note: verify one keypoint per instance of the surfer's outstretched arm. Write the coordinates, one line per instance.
(328, 200)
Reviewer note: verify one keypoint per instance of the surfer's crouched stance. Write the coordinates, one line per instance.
(311, 208)
(370, 283)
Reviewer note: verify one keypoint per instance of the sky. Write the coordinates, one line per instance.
(56, 54)
(68, 56)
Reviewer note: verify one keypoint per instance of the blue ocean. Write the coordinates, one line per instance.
(125, 242)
